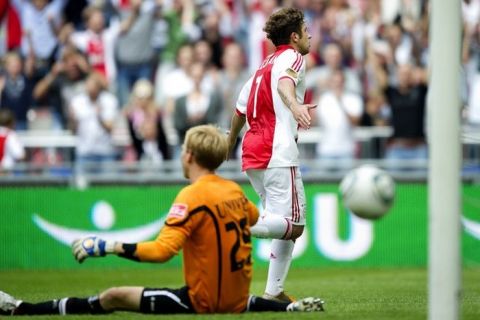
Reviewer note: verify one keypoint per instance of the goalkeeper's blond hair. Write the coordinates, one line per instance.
(208, 145)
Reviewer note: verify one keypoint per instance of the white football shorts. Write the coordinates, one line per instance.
(281, 191)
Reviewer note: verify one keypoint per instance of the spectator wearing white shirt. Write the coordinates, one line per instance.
(11, 149)
(401, 44)
(41, 21)
(175, 84)
(338, 112)
(93, 114)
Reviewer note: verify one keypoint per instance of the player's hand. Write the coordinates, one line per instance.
(301, 113)
(91, 247)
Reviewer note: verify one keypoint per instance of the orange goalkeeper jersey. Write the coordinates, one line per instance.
(210, 219)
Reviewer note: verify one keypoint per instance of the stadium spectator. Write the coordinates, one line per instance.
(364, 29)
(217, 29)
(231, 79)
(378, 56)
(377, 114)
(65, 80)
(207, 219)
(406, 12)
(272, 103)
(180, 18)
(471, 12)
(145, 124)
(98, 42)
(11, 149)
(317, 78)
(199, 106)
(73, 13)
(313, 11)
(471, 65)
(337, 23)
(338, 113)
(258, 47)
(176, 81)
(134, 52)
(202, 52)
(377, 111)
(93, 113)
(41, 23)
(401, 44)
(407, 101)
(16, 86)
(471, 62)
(174, 84)
(181, 30)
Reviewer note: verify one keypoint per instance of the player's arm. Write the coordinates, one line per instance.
(238, 121)
(165, 246)
(238, 118)
(286, 90)
(169, 242)
(290, 68)
(127, 24)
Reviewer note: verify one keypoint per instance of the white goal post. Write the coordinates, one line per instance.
(444, 255)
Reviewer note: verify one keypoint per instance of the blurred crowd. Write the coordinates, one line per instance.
(151, 69)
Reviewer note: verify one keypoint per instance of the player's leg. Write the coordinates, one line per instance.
(137, 299)
(280, 260)
(121, 298)
(11, 306)
(258, 304)
(285, 197)
(272, 224)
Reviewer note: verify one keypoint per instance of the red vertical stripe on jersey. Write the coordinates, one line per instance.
(296, 194)
(3, 140)
(299, 63)
(295, 205)
(296, 61)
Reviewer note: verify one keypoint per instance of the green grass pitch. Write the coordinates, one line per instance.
(360, 293)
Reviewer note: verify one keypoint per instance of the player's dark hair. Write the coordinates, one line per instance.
(7, 118)
(282, 23)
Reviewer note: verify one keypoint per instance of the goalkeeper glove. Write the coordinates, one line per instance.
(91, 247)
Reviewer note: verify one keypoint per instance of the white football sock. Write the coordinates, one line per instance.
(273, 227)
(280, 258)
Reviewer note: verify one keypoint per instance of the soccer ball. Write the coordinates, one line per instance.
(368, 191)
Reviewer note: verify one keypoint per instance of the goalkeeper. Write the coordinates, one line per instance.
(210, 220)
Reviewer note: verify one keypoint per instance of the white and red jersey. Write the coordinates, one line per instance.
(271, 138)
(99, 49)
(11, 149)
